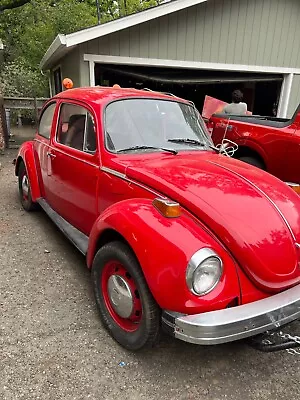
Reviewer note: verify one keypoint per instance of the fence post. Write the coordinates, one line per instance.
(36, 112)
(7, 116)
(3, 127)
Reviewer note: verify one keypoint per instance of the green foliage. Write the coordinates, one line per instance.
(29, 30)
(18, 80)
(112, 9)
(132, 6)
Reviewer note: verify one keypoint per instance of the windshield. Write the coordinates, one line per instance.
(154, 123)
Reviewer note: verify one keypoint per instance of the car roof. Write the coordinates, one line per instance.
(102, 94)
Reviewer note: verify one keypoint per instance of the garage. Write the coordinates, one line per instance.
(195, 85)
(191, 48)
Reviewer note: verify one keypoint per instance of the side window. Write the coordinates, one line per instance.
(45, 123)
(76, 128)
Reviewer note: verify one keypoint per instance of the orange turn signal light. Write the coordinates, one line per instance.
(167, 208)
(294, 186)
(67, 83)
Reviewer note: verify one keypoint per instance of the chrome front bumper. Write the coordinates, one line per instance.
(235, 323)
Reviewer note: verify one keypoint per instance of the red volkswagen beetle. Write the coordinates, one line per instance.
(176, 235)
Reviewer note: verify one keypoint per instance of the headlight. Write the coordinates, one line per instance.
(203, 271)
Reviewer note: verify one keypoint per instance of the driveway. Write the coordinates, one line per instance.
(53, 345)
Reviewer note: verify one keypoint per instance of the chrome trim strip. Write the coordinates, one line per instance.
(264, 194)
(113, 172)
(125, 178)
(40, 141)
(236, 323)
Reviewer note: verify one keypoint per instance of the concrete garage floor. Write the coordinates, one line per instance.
(54, 347)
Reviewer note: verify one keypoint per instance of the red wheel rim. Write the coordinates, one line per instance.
(115, 269)
(25, 186)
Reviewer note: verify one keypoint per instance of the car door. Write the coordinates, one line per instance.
(75, 166)
(290, 162)
(42, 146)
(282, 149)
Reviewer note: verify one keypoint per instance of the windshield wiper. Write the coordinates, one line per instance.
(147, 147)
(193, 142)
(187, 140)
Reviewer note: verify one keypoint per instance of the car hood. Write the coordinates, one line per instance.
(256, 216)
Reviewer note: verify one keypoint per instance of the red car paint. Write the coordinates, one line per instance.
(248, 217)
(274, 142)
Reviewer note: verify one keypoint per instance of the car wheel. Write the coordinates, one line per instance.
(126, 305)
(24, 189)
(252, 161)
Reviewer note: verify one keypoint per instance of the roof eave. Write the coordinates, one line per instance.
(57, 46)
(129, 21)
(62, 42)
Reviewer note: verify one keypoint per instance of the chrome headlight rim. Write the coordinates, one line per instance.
(195, 262)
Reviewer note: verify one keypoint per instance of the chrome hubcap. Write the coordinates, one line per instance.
(25, 185)
(120, 296)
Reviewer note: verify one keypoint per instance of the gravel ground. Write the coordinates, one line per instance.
(53, 345)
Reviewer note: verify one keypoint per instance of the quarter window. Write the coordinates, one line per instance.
(76, 128)
(46, 119)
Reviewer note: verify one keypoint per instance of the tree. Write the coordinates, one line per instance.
(112, 9)
(17, 80)
(29, 30)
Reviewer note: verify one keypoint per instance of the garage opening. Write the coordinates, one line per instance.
(261, 91)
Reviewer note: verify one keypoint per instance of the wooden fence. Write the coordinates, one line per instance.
(8, 104)
(25, 103)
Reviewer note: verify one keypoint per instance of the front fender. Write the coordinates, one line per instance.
(163, 247)
(26, 154)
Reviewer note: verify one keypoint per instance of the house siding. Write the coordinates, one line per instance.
(252, 32)
(84, 66)
(69, 68)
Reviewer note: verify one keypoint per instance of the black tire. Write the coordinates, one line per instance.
(252, 161)
(25, 198)
(146, 331)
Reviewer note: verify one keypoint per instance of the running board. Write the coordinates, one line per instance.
(79, 239)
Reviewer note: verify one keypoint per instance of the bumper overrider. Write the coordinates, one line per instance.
(235, 323)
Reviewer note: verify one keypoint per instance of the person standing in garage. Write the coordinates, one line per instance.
(236, 107)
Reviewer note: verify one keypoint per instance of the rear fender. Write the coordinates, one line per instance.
(252, 147)
(26, 155)
(163, 247)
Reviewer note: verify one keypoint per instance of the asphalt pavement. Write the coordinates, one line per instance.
(53, 346)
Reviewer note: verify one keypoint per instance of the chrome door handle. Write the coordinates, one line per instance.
(51, 155)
